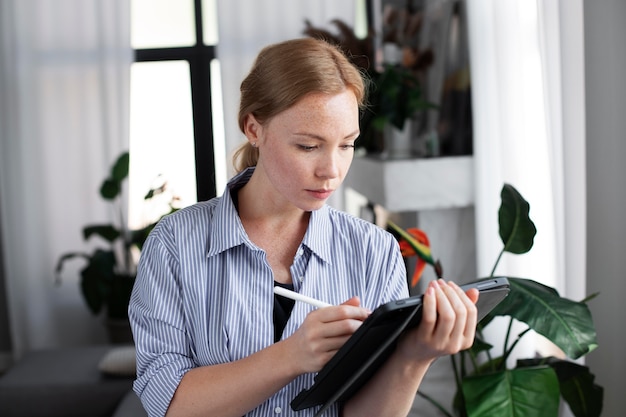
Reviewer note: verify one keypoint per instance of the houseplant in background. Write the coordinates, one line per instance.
(488, 386)
(107, 278)
(395, 95)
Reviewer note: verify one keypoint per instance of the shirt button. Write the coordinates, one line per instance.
(278, 410)
(301, 278)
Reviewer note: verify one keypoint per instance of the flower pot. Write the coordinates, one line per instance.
(398, 143)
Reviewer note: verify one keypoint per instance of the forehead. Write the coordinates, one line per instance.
(320, 108)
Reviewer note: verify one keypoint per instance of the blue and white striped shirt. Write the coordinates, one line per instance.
(204, 292)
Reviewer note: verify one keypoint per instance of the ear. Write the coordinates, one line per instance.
(252, 128)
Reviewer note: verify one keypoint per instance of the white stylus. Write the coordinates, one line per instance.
(299, 297)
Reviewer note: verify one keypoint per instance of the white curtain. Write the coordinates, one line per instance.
(64, 75)
(528, 106)
(245, 26)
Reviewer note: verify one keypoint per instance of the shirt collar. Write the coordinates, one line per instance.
(228, 231)
(319, 234)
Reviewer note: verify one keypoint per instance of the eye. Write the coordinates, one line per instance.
(347, 146)
(307, 148)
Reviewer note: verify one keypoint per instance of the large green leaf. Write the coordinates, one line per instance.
(121, 287)
(578, 389)
(517, 230)
(107, 232)
(112, 186)
(139, 236)
(399, 97)
(96, 276)
(568, 324)
(119, 171)
(527, 392)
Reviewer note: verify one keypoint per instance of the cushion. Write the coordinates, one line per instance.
(119, 361)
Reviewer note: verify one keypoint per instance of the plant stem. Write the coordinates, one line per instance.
(488, 351)
(493, 271)
(125, 239)
(459, 375)
(507, 353)
(474, 360)
(505, 348)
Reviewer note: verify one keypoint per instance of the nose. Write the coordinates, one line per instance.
(329, 166)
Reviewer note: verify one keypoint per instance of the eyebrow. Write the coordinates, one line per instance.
(354, 134)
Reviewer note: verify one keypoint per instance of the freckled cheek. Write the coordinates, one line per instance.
(289, 172)
(345, 165)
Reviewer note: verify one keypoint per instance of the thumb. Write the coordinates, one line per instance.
(472, 294)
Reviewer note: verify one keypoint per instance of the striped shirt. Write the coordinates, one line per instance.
(204, 292)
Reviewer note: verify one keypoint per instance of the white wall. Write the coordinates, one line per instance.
(605, 66)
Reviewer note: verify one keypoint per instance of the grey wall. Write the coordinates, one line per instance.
(605, 66)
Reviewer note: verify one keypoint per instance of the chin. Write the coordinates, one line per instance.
(312, 206)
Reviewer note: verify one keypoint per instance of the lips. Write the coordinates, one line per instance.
(321, 194)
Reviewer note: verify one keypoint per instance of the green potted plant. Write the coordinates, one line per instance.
(395, 95)
(488, 386)
(107, 278)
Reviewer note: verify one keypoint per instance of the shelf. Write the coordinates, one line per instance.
(414, 184)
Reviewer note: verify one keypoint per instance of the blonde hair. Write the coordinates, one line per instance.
(284, 73)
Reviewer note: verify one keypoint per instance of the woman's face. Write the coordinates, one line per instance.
(305, 151)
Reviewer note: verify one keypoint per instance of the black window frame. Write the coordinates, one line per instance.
(199, 57)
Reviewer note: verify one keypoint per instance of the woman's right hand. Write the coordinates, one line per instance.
(324, 331)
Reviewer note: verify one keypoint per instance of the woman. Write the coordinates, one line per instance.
(211, 337)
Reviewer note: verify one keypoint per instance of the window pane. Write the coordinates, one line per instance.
(161, 138)
(219, 135)
(162, 23)
(360, 19)
(209, 22)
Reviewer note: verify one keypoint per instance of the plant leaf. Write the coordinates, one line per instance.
(110, 189)
(479, 346)
(119, 171)
(106, 231)
(112, 186)
(420, 249)
(121, 287)
(568, 324)
(90, 286)
(139, 236)
(517, 230)
(525, 392)
(96, 279)
(576, 382)
(398, 96)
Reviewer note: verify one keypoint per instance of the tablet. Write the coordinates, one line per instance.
(368, 348)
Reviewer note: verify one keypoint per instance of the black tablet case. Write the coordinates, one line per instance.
(373, 342)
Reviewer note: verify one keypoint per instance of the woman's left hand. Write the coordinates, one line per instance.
(447, 326)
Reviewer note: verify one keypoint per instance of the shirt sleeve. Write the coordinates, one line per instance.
(389, 271)
(156, 316)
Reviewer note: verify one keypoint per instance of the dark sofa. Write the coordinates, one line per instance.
(93, 381)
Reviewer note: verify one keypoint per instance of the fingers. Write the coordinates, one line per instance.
(326, 329)
(469, 300)
(473, 294)
(354, 301)
(448, 317)
(338, 321)
(465, 303)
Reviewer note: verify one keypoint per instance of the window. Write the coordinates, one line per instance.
(174, 102)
